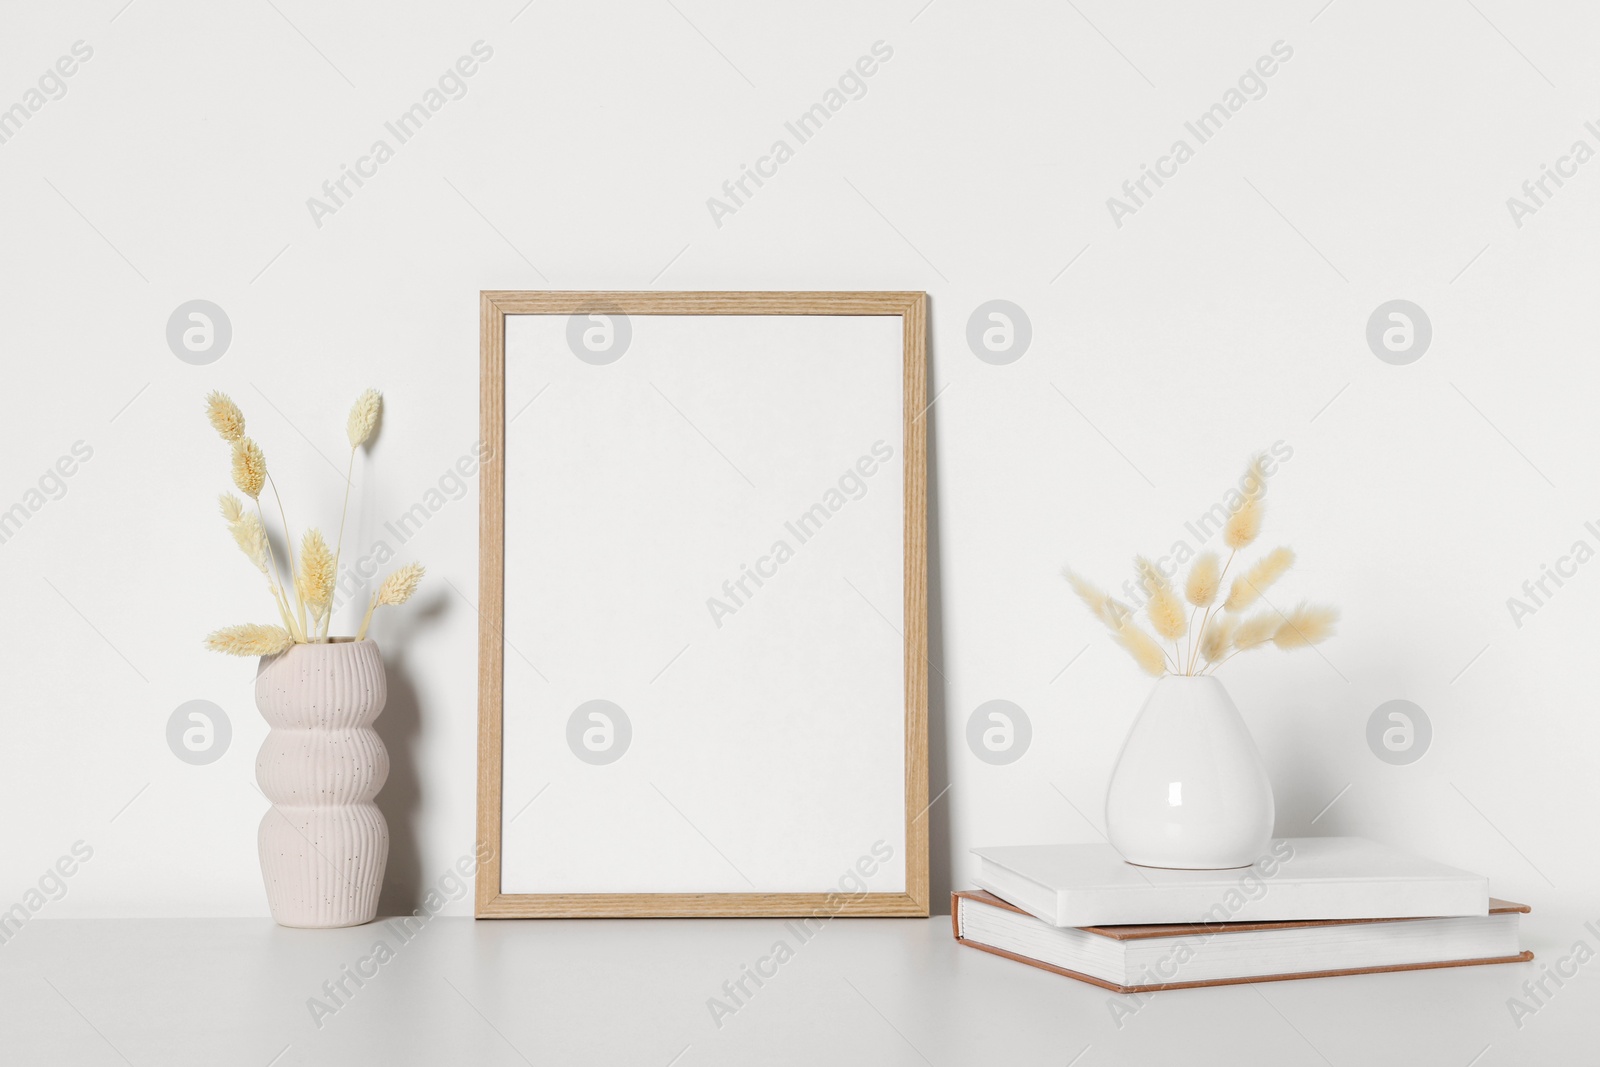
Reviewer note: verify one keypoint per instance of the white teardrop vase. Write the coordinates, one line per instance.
(1189, 790)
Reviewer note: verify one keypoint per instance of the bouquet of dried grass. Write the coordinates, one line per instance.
(1224, 630)
(305, 602)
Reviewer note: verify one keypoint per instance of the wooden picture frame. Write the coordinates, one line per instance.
(495, 307)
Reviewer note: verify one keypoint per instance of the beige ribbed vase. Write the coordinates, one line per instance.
(324, 842)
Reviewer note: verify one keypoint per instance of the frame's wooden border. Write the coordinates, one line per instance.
(494, 306)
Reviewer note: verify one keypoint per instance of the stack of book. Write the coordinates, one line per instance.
(1310, 907)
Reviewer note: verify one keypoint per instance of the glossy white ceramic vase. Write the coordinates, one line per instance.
(1189, 789)
(324, 842)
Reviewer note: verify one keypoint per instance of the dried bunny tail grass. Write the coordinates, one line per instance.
(1143, 648)
(316, 577)
(1166, 614)
(1254, 482)
(1306, 625)
(1091, 595)
(249, 467)
(251, 639)
(1150, 576)
(1204, 578)
(1100, 605)
(232, 508)
(1217, 639)
(398, 587)
(1255, 631)
(363, 417)
(225, 416)
(1244, 525)
(1248, 587)
(251, 537)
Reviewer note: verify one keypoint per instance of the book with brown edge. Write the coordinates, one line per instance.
(1134, 933)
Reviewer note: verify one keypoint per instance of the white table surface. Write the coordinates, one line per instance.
(870, 991)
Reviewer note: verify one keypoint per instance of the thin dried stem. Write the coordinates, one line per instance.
(338, 546)
(1213, 606)
(277, 586)
(288, 546)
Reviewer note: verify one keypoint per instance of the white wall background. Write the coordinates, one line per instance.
(1227, 314)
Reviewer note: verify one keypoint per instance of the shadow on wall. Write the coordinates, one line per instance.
(400, 800)
(940, 861)
(1307, 792)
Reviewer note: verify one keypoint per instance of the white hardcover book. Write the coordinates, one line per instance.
(1137, 959)
(1296, 878)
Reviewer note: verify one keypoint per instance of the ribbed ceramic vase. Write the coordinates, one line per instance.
(1189, 789)
(324, 842)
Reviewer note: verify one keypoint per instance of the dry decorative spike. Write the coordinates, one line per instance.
(225, 416)
(1305, 625)
(251, 537)
(249, 467)
(314, 583)
(1248, 587)
(250, 639)
(1205, 577)
(363, 418)
(396, 589)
